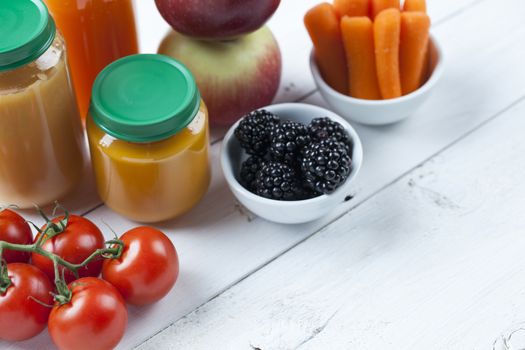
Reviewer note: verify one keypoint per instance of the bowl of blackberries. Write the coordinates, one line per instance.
(291, 163)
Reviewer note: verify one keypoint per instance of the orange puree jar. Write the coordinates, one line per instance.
(97, 32)
(149, 140)
(41, 137)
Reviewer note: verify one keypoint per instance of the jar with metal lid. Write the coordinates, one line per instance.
(148, 135)
(41, 138)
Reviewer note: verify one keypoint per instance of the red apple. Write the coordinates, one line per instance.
(234, 77)
(216, 19)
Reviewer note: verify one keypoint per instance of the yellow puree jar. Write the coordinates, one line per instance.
(149, 140)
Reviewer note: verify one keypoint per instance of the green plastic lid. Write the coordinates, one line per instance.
(26, 32)
(144, 98)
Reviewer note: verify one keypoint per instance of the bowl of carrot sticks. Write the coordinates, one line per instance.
(374, 61)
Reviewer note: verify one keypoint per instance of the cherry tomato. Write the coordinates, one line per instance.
(21, 317)
(78, 241)
(14, 229)
(147, 269)
(95, 318)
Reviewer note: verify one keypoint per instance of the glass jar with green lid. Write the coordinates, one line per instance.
(149, 140)
(41, 140)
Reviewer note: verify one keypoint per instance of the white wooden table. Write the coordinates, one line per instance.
(429, 254)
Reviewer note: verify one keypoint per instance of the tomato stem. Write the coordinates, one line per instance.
(5, 281)
(40, 302)
(51, 228)
(63, 295)
(113, 250)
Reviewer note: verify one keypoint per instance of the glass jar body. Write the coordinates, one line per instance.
(41, 138)
(156, 181)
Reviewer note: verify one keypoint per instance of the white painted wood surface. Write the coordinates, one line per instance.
(387, 234)
(434, 261)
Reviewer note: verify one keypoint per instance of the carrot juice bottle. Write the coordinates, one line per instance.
(97, 32)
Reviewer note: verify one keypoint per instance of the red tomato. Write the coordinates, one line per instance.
(78, 241)
(147, 269)
(95, 318)
(21, 317)
(14, 229)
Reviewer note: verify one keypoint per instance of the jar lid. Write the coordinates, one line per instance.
(26, 32)
(144, 98)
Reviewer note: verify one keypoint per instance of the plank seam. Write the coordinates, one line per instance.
(101, 204)
(305, 96)
(457, 12)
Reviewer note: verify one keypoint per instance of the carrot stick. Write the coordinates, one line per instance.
(387, 27)
(415, 5)
(358, 39)
(427, 66)
(380, 5)
(413, 49)
(323, 26)
(420, 6)
(351, 8)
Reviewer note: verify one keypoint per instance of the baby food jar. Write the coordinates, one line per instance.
(149, 140)
(41, 141)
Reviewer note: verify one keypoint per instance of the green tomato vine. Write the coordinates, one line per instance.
(112, 250)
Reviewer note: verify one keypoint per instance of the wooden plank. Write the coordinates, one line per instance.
(459, 107)
(433, 262)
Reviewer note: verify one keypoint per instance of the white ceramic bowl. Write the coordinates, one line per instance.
(288, 212)
(381, 112)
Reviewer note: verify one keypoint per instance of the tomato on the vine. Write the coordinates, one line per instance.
(21, 317)
(95, 318)
(75, 244)
(147, 269)
(14, 229)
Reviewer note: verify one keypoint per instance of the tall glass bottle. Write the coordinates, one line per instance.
(97, 32)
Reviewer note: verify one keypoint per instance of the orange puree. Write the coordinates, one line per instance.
(97, 32)
(150, 182)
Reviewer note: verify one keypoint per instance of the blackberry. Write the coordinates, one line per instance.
(253, 131)
(249, 169)
(325, 128)
(287, 141)
(326, 165)
(278, 181)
